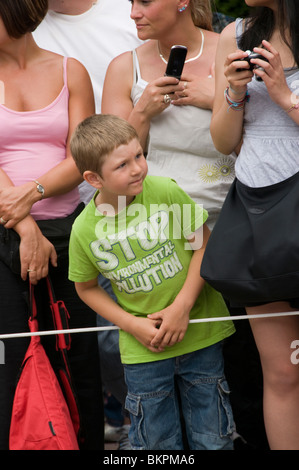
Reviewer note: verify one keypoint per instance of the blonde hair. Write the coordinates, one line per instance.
(96, 137)
(201, 12)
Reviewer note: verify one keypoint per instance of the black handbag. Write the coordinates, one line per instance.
(252, 255)
(57, 231)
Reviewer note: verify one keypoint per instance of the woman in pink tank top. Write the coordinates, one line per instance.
(43, 97)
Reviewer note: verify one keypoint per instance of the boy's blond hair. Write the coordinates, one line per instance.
(96, 137)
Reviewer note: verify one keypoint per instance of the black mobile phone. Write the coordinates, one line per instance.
(176, 61)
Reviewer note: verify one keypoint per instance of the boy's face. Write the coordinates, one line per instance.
(124, 170)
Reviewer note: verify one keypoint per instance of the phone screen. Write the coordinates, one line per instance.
(176, 61)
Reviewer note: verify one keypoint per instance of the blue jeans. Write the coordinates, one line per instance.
(195, 380)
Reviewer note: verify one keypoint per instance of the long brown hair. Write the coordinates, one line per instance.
(261, 25)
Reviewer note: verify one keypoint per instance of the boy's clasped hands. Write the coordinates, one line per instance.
(162, 329)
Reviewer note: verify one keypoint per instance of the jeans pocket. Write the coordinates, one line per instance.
(133, 406)
(155, 423)
(226, 420)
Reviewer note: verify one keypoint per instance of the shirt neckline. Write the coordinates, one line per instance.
(72, 18)
(40, 110)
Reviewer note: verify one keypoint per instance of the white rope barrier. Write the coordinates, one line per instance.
(112, 327)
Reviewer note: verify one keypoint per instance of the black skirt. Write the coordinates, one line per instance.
(252, 256)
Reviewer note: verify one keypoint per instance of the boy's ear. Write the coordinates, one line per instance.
(93, 179)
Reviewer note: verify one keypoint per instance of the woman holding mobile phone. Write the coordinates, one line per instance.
(171, 116)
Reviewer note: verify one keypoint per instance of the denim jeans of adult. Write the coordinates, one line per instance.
(153, 402)
(83, 355)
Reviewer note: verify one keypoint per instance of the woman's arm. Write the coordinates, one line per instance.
(117, 95)
(116, 98)
(272, 74)
(35, 250)
(16, 201)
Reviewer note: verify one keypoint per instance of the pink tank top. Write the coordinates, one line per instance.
(33, 142)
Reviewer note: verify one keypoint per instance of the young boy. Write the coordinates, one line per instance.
(148, 237)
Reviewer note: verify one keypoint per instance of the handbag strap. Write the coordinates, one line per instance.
(33, 323)
(59, 313)
(63, 342)
(60, 317)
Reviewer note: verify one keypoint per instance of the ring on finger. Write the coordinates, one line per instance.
(167, 99)
(30, 270)
(3, 221)
(185, 85)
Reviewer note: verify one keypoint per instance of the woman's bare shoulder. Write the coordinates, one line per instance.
(228, 35)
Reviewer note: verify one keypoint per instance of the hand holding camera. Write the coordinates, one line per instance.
(265, 58)
(252, 66)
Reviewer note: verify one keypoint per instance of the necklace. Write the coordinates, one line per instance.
(188, 60)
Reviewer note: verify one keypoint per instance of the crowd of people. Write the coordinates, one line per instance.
(89, 119)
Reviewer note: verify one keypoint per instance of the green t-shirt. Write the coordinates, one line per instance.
(144, 252)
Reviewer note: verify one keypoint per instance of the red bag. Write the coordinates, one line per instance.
(41, 418)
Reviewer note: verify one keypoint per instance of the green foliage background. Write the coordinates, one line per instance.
(234, 8)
